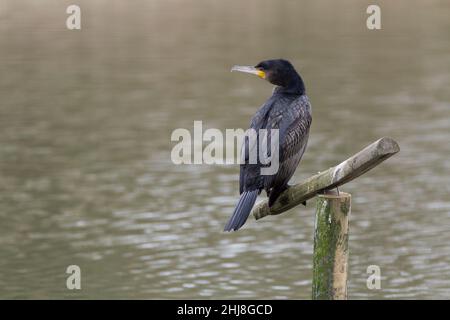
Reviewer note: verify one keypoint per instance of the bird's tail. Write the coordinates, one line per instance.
(242, 210)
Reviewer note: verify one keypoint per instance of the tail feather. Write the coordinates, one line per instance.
(242, 211)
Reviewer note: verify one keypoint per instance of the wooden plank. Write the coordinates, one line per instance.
(353, 167)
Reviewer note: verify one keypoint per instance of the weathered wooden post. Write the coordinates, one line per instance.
(330, 258)
(331, 228)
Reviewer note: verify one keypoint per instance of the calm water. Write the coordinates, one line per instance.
(85, 123)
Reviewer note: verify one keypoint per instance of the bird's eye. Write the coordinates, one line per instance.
(261, 67)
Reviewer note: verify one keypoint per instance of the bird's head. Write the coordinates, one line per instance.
(279, 72)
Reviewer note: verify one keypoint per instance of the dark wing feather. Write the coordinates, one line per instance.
(249, 175)
(292, 116)
(294, 132)
(294, 139)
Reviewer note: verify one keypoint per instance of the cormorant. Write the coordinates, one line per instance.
(289, 111)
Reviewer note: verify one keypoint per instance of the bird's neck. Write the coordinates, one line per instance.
(295, 86)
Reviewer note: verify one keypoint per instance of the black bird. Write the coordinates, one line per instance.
(289, 111)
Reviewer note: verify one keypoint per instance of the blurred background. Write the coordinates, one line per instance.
(86, 118)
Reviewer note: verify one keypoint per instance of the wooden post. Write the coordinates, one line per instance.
(330, 260)
(331, 226)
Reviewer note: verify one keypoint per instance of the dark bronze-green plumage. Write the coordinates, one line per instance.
(289, 111)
